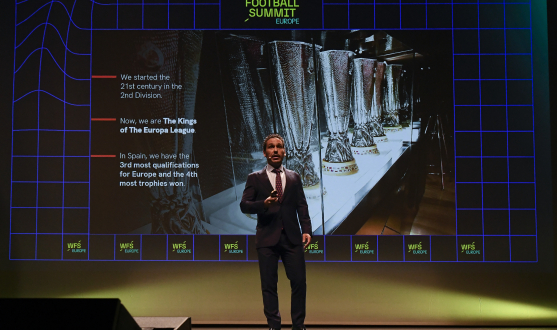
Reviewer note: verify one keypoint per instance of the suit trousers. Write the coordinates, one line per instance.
(294, 264)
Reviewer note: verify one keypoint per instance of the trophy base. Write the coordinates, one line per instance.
(360, 151)
(339, 169)
(380, 139)
(314, 192)
(392, 129)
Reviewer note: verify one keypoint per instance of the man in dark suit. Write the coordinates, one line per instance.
(279, 219)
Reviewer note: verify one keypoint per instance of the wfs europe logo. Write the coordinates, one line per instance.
(313, 248)
(470, 248)
(282, 11)
(180, 248)
(363, 248)
(76, 247)
(232, 248)
(128, 248)
(416, 249)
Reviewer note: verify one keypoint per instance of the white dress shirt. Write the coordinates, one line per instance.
(273, 177)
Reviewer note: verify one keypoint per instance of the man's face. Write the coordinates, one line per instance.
(274, 152)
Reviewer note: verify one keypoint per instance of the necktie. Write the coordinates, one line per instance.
(278, 184)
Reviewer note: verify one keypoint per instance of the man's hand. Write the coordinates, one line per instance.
(306, 238)
(270, 201)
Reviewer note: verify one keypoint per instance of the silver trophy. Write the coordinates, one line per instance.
(375, 126)
(177, 207)
(254, 118)
(405, 100)
(392, 98)
(293, 83)
(336, 68)
(405, 81)
(361, 104)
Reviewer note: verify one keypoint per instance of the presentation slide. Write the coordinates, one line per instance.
(414, 128)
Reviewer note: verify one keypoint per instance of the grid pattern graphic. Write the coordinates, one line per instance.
(494, 134)
(50, 128)
(493, 111)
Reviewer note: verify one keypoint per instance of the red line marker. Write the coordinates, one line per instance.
(111, 77)
(103, 119)
(104, 156)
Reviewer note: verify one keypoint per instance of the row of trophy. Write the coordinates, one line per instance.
(364, 88)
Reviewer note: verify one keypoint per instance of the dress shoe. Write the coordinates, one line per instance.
(298, 328)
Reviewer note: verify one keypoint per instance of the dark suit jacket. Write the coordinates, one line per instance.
(270, 221)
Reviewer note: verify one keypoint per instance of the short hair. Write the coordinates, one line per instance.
(271, 136)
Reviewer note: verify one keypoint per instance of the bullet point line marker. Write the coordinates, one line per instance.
(103, 119)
